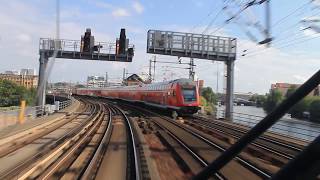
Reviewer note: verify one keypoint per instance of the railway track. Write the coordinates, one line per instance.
(272, 150)
(15, 144)
(121, 158)
(100, 142)
(83, 151)
(72, 163)
(197, 150)
(267, 143)
(25, 157)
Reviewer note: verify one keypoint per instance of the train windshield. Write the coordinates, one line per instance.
(189, 94)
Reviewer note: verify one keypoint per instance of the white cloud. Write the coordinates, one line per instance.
(120, 12)
(316, 2)
(300, 78)
(23, 38)
(310, 33)
(100, 4)
(138, 7)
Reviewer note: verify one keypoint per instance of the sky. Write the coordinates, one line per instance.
(292, 57)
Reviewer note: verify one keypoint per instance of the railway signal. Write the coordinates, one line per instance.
(85, 49)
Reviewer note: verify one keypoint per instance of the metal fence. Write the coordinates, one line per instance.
(11, 117)
(75, 45)
(289, 127)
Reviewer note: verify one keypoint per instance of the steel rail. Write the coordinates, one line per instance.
(257, 144)
(133, 143)
(202, 161)
(242, 161)
(80, 139)
(245, 131)
(15, 172)
(53, 126)
(90, 171)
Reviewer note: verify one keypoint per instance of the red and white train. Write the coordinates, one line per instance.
(181, 95)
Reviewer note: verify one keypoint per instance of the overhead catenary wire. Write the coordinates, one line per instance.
(279, 38)
(207, 16)
(283, 46)
(289, 28)
(291, 13)
(225, 5)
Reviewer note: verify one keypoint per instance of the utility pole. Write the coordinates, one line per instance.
(150, 74)
(154, 67)
(106, 81)
(191, 69)
(217, 88)
(124, 74)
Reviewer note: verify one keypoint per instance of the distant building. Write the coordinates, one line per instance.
(283, 88)
(245, 96)
(96, 81)
(134, 79)
(201, 84)
(30, 72)
(60, 88)
(28, 81)
(13, 72)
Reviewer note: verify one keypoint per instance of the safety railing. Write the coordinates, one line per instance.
(191, 42)
(284, 126)
(75, 45)
(63, 104)
(11, 117)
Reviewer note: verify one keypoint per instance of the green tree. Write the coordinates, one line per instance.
(30, 96)
(272, 100)
(302, 106)
(208, 99)
(11, 94)
(314, 110)
(258, 99)
(290, 91)
(209, 95)
(79, 86)
(203, 101)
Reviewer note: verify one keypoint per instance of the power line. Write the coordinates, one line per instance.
(285, 45)
(203, 19)
(212, 21)
(226, 3)
(291, 13)
(290, 36)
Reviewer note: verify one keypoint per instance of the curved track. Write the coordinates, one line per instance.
(76, 149)
(202, 149)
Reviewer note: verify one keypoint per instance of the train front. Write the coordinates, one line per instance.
(188, 93)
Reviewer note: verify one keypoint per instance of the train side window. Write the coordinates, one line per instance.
(173, 93)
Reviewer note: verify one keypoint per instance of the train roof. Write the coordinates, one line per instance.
(181, 80)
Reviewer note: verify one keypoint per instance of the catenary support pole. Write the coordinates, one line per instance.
(229, 90)
(41, 98)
